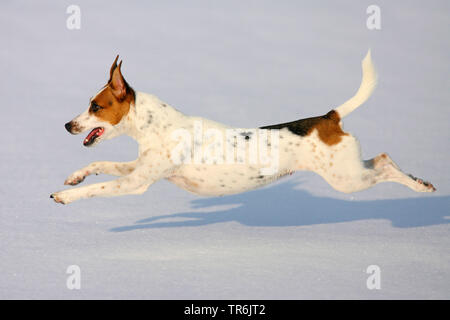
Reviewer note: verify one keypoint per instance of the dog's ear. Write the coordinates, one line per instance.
(118, 83)
(113, 67)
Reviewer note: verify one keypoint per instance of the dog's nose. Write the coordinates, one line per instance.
(68, 126)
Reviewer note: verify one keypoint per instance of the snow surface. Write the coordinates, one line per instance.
(245, 63)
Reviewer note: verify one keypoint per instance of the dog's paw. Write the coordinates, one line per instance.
(76, 177)
(62, 197)
(424, 186)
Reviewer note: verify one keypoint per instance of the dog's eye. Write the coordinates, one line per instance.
(95, 107)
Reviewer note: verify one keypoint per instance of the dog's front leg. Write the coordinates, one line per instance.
(107, 167)
(138, 180)
(146, 172)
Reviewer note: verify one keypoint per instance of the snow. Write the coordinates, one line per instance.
(247, 64)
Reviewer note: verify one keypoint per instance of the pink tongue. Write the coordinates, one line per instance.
(96, 131)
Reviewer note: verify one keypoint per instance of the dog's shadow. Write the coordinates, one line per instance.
(283, 205)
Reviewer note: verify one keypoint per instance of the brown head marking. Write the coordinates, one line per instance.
(113, 102)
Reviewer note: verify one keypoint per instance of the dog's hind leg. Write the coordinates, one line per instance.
(387, 171)
(118, 169)
(347, 172)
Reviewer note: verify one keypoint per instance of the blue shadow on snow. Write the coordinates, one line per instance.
(281, 205)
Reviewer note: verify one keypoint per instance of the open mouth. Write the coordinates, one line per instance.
(92, 136)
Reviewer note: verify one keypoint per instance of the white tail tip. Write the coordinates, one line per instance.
(368, 83)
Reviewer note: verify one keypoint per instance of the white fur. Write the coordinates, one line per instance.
(368, 83)
(152, 122)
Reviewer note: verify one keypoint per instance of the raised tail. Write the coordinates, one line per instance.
(368, 83)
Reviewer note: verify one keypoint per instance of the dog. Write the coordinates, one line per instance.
(317, 144)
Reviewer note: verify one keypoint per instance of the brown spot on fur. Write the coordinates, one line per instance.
(378, 161)
(115, 98)
(115, 111)
(328, 127)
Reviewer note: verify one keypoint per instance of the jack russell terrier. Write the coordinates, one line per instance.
(178, 147)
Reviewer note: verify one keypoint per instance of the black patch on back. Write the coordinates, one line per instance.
(302, 127)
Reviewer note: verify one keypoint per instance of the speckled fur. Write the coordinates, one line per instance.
(151, 122)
